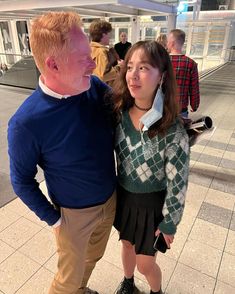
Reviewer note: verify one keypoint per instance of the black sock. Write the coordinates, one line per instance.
(130, 280)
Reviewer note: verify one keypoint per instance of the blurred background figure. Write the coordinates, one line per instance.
(105, 59)
(3, 68)
(162, 39)
(186, 73)
(122, 47)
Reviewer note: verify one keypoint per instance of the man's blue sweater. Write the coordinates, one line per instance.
(72, 141)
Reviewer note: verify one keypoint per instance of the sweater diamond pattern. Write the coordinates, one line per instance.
(155, 164)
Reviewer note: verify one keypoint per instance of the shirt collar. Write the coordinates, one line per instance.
(49, 92)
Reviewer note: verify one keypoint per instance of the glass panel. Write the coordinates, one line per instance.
(23, 37)
(7, 43)
(22, 73)
(163, 31)
(198, 40)
(150, 34)
(216, 40)
(112, 37)
(120, 30)
(185, 29)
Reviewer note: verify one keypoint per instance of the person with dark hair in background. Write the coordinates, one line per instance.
(152, 152)
(106, 60)
(123, 46)
(64, 127)
(186, 73)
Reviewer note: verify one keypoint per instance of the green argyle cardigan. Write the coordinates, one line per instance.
(150, 165)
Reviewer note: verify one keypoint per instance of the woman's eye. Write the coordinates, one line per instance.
(129, 67)
(143, 68)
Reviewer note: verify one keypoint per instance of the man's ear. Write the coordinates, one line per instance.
(51, 64)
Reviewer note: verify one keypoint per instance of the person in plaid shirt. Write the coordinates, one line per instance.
(186, 73)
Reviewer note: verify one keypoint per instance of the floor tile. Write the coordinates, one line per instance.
(222, 288)
(35, 219)
(227, 163)
(43, 187)
(6, 192)
(217, 145)
(5, 251)
(186, 280)
(222, 135)
(217, 152)
(194, 155)
(113, 251)
(41, 247)
(202, 174)
(203, 142)
(18, 207)
(227, 269)
(210, 159)
(223, 185)
(221, 199)
(7, 218)
(232, 225)
(186, 224)
(111, 279)
(39, 283)
(15, 271)
(196, 193)
(19, 232)
(208, 233)
(167, 266)
(197, 148)
(229, 155)
(178, 244)
(224, 180)
(215, 214)
(231, 148)
(232, 141)
(201, 257)
(230, 243)
(51, 264)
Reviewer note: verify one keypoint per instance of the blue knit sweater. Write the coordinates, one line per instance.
(72, 141)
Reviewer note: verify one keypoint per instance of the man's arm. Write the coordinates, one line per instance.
(177, 171)
(24, 154)
(194, 93)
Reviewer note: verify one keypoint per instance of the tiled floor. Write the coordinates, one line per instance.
(202, 258)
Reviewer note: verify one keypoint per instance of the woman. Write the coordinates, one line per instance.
(152, 160)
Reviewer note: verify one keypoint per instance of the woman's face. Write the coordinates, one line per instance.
(141, 77)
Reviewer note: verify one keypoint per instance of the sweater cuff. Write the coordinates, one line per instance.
(168, 229)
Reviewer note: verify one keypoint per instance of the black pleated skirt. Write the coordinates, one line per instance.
(137, 218)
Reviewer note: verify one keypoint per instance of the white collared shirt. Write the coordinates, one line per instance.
(49, 92)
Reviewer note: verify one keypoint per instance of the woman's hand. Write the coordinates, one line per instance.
(168, 238)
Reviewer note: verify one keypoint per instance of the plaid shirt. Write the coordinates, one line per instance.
(187, 79)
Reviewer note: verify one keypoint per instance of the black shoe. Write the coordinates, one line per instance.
(126, 287)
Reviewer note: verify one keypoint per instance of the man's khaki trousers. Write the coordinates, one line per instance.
(81, 242)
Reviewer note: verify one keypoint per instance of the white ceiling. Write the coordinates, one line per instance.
(27, 9)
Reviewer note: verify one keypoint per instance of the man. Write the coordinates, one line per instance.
(105, 59)
(64, 128)
(186, 73)
(123, 46)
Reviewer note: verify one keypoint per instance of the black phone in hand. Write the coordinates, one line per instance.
(160, 243)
